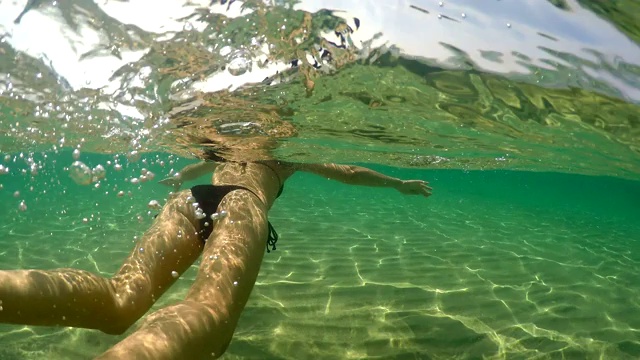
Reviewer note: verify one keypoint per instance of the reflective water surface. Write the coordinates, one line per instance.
(458, 84)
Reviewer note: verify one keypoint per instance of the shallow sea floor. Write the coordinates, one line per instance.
(495, 265)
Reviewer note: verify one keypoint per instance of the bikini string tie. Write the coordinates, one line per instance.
(272, 239)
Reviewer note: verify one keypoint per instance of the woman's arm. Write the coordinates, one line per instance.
(358, 175)
(190, 172)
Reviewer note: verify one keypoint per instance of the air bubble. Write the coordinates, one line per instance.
(141, 250)
(120, 193)
(239, 65)
(153, 204)
(80, 173)
(98, 173)
(4, 170)
(16, 194)
(135, 181)
(76, 154)
(235, 283)
(117, 167)
(175, 274)
(133, 156)
(225, 50)
(22, 206)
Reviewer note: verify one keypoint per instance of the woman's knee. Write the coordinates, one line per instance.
(119, 319)
(123, 317)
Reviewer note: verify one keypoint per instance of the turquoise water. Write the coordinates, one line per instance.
(496, 264)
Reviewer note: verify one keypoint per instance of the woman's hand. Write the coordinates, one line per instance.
(414, 187)
(174, 181)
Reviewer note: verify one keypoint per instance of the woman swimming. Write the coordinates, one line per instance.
(232, 248)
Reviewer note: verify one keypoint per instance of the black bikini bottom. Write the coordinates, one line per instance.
(209, 197)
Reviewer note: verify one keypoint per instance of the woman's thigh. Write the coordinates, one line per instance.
(232, 256)
(164, 252)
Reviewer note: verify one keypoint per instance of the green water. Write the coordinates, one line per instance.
(496, 264)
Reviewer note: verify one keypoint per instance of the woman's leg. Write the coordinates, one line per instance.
(78, 298)
(203, 324)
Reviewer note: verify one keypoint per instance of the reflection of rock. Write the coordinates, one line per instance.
(561, 4)
(31, 4)
(624, 14)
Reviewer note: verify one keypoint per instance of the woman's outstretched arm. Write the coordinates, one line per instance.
(190, 172)
(358, 175)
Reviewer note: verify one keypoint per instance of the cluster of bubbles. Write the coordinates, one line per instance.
(82, 174)
(145, 175)
(32, 169)
(201, 215)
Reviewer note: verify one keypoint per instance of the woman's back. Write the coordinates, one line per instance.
(264, 178)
